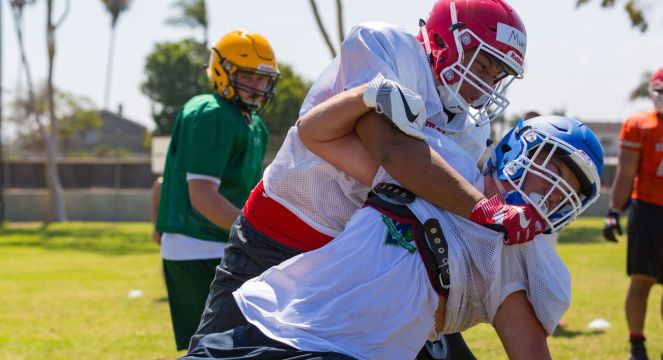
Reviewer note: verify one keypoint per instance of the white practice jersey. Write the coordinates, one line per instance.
(313, 189)
(365, 296)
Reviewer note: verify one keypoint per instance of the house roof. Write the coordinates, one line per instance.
(605, 126)
(108, 115)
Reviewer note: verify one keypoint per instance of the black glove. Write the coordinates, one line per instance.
(610, 224)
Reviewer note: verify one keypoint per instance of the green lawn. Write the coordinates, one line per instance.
(63, 294)
(599, 287)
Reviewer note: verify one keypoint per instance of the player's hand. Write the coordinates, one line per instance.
(611, 224)
(402, 106)
(156, 236)
(519, 223)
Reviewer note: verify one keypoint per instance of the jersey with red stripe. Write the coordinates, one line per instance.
(314, 191)
(643, 132)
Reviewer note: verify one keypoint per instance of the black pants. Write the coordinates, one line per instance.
(247, 342)
(645, 240)
(248, 254)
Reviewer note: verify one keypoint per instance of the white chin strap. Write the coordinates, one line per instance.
(498, 184)
(455, 103)
(491, 102)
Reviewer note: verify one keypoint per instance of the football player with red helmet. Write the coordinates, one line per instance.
(639, 176)
(456, 71)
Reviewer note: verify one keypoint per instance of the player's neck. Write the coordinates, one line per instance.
(493, 186)
(489, 187)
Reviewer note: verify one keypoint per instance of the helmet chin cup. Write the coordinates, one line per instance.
(451, 100)
(491, 103)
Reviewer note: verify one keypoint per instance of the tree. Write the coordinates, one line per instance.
(75, 114)
(194, 14)
(57, 212)
(175, 72)
(49, 131)
(17, 13)
(634, 8)
(636, 12)
(323, 30)
(282, 113)
(114, 8)
(642, 90)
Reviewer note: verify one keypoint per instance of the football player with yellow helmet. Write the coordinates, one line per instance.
(214, 160)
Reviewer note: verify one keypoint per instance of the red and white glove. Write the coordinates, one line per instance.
(519, 223)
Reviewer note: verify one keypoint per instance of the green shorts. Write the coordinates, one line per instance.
(188, 284)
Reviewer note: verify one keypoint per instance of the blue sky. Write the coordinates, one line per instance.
(583, 60)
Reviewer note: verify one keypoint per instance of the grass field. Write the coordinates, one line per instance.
(64, 294)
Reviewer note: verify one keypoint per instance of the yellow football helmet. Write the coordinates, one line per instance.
(246, 55)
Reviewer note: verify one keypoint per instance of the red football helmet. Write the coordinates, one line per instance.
(492, 27)
(656, 89)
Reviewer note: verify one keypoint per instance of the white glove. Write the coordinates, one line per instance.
(403, 106)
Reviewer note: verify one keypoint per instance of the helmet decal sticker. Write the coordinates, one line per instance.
(511, 36)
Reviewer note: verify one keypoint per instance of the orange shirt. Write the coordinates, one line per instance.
(643, 132)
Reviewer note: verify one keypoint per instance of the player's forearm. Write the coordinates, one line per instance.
(156, 196)
(621, 191)
(627, 168)
(417, 167)
(334, 118)
(428, 175)
(213, 206)
(217, 210)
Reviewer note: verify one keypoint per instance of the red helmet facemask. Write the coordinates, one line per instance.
(489, 30)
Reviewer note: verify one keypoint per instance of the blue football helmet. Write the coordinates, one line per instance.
(527, 149)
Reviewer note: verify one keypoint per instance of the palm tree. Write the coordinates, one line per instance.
(115, 8)
(636, 10)
(323, 30)
(56, 209)
(52, 177)
(194, 14)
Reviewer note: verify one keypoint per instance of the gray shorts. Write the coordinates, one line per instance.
(248, 254)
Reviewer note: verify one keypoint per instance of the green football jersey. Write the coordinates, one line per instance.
(210, 137)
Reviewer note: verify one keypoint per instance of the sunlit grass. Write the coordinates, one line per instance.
(598, 272)
(63, 294)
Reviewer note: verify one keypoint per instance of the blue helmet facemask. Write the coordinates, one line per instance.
(527, 150)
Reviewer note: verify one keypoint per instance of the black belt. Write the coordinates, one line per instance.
(391, 199)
